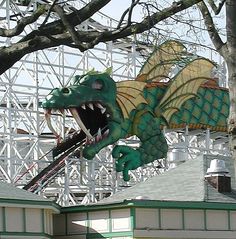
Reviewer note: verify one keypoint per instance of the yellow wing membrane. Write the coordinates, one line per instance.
(129, 95)
(158, 65)
(185, 85)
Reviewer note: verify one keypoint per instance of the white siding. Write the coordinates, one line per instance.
(233, 220)
(99, 221)
(216, 220)
(14, 219)
(194, 219)
(77, 223)
(171, 219)
(147, 218)
(120, 220)
(33, 220)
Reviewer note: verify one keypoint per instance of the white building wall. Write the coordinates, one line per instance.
(144, 223)
(14, 219)
(25, 222)
(184, 223)
(33, 219)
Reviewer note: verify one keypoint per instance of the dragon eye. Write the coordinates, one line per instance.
(97, 85)
(65, 90)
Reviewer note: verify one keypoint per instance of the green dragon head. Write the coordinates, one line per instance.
(91, 100)
(100, 106)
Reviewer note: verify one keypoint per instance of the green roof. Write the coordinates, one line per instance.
(185, 183)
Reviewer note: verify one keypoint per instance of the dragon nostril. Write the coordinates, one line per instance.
(65, 90)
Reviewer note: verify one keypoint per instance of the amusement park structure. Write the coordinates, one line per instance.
(26, 142)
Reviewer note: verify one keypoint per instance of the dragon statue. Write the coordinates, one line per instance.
(174, 89)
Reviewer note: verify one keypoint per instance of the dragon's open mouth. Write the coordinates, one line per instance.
(92, 119)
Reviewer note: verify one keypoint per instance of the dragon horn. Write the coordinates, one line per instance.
(108, 70)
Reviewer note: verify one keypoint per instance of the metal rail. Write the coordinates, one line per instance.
(42, 179)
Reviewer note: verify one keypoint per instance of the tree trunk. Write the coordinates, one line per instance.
(231, 63)
(230, 58)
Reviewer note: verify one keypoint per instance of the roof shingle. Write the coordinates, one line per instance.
(183, 183)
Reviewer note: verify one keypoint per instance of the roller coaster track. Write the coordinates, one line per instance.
(43, 178)
(68, 148)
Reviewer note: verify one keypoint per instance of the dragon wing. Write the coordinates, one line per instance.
(185, 86)
(129, 95)
(158, 65)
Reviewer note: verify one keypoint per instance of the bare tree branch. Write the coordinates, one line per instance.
(214, 7)
(23, 22)
(60, 33)
(49, 12)
(213, 33)
(71, 29)
(76, 17)
(155, 18)
(129, 10)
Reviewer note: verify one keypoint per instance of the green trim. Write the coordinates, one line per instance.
(185, 205)
(159, 218)
(86, 208)
(24, 219)
(110, 221)
(89, 208)
(88, 223)
(4, 226)
(31, 202)
(152, 204)
(42, 220)
(132, 218)
(26, 234)
(108, 235)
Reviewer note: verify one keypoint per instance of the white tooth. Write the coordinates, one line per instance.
(99, 133)
(49, 123)
(103, 110)
(90, 105)
(80, 123)
(83, 106)
(106, 132)
(99, 105)
(108, 115)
